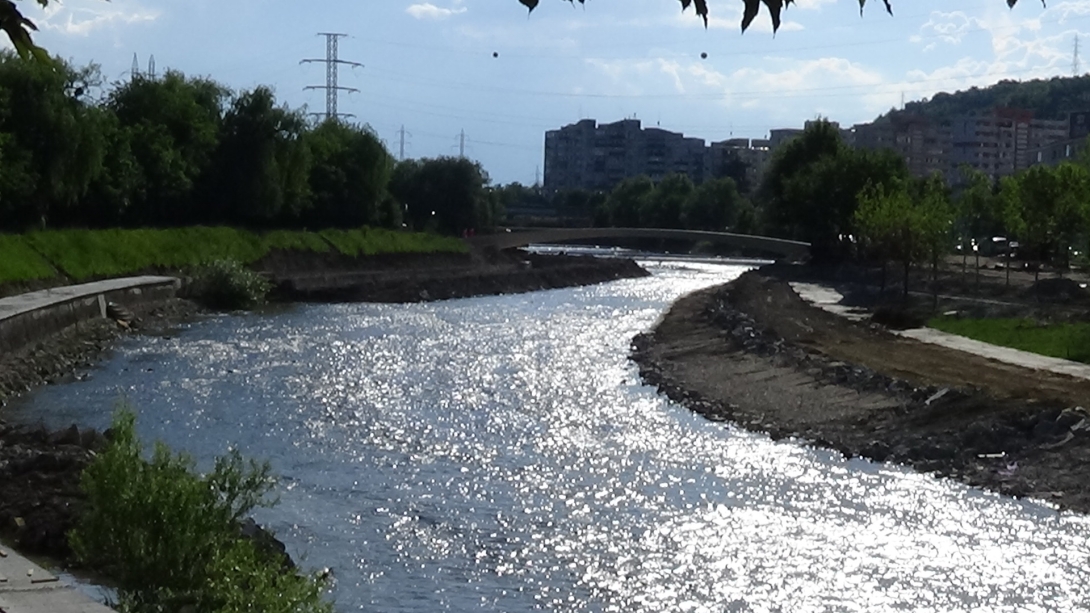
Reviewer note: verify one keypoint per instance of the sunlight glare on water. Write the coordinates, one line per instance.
(500, 454)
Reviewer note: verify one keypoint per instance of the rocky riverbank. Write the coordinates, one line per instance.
(753, 353)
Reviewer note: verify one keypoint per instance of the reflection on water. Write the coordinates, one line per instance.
(500, 454)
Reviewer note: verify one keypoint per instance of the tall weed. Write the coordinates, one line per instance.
(170, 537)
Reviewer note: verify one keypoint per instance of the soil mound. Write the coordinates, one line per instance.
(1065, 290)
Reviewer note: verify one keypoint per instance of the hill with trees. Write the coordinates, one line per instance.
(1048, 99)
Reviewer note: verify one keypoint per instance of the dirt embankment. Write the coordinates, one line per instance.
(436, 277)
(754, 353)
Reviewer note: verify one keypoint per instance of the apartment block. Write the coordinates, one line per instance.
(1002, 141)
(588, 155)
(924, 144)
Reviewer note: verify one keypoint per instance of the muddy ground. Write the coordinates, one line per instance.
(754, 353)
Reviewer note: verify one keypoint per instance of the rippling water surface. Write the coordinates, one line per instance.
(500, 454)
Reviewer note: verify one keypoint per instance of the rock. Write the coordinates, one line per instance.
(1046, 429)
(1082, 428)
(1060, 443)
(266, 542)
(1070, 417)
(68, 436)
(936, 396)
(92, 439)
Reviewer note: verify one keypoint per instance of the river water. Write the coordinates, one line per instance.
(500, 454)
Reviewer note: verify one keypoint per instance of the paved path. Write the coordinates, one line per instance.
(26, 587)
(13, 306)
(829, 299)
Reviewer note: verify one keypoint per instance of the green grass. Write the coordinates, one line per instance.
(1070, 341)
(372, 241)
(19, 262)
(93, 254)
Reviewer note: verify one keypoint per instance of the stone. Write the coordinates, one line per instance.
(68, 436)
(1070, 417)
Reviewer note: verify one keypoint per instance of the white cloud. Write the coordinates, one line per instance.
(809, 5)
(428, 10)
(81, 17)
(782, 89)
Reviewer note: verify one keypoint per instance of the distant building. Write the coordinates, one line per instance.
(588, 155)
(1068, 148)
(999, 142)
(922, 143)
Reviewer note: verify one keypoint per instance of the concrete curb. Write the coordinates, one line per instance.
(828, 299)
(28, 317)
(26, 587)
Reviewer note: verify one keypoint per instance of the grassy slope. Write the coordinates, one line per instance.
(88, 254)
(1067, 341)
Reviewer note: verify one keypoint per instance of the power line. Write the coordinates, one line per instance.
(332, 63)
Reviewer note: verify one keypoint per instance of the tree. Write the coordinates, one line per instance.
(444, 194)
(263, 164)
(623, 203)
(977, 211)
(349, 176)
(53, 147)
(890, 226)
(662, 207)
(174, 130)
(712, 206)
(809, 191)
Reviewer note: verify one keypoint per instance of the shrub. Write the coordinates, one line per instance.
(227, 284)
(170, 537)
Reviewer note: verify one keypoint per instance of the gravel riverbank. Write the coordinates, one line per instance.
(752, 352)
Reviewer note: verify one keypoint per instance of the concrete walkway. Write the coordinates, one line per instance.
(26, 587)
(28, 317)
(13, 306)
(829, 299)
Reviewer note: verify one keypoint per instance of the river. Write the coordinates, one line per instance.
(501, 454)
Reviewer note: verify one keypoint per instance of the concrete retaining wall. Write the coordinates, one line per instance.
(28, 317)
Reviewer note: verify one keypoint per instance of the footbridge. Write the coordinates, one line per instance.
(520, 237)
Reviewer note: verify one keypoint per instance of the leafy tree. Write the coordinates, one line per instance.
(263, 164)
(445, 194)
(810, 189)
(174, 124)
(713, 205)
(977, 211)
(662, 207)
(889, 226)
(349, 176)
(53, 148)
(624, 202)
(934, 217)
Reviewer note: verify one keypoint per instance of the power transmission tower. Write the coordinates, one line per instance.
(401, 150)
(332, 63)
(1075, 60)
(134, 73)
(151, 68)
(462, 144)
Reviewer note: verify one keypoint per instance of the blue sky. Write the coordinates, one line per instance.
(430, 65)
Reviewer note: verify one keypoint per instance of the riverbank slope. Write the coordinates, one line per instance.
(754, 353)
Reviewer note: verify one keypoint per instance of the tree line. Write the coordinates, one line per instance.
(863, 204)
(180, 150)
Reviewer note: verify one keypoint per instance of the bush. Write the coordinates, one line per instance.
(227, 284)
(170, 537)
